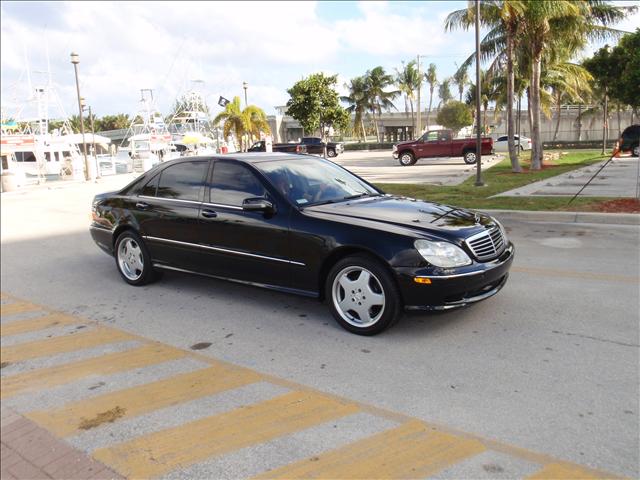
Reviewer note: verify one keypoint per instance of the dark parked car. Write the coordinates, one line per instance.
(304, 225)
(630, 139)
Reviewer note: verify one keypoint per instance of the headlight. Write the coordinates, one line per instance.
(442, 254)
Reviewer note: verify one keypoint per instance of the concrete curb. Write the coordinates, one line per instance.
(567, 217)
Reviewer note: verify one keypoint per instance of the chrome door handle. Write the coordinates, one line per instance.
(142, 205)
(206, 213)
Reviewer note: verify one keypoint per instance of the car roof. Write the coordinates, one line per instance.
(252, 157)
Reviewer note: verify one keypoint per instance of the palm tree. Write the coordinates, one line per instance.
(503, 17)
(569, 25)
(461, 79)
(432, 80)
(377, 81)
(408, 81)
(244, 124)
(444, 92)
(358, 104)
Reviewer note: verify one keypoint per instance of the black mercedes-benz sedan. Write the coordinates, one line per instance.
(305, 225)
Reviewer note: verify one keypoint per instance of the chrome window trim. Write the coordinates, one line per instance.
(170, 199)
(224, 250)
(221, 205)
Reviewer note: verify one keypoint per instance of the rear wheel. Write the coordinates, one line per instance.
(133, 259)
(406, 159)
(470, 157)
(362, 295)
(636, 151)
(331, 153)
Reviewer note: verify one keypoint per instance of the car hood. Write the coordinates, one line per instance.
(408, 213)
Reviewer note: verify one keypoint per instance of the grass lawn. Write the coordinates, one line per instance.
(500, 178)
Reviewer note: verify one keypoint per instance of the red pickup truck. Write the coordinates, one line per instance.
(440, 143)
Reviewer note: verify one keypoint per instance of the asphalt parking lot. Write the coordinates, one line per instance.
(548, 367)
(380, 166)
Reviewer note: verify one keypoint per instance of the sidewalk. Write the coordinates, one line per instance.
(28, 451)
(620, 178)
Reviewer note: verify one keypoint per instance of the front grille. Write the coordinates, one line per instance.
(486, 245)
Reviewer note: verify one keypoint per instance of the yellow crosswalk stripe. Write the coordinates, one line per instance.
(563, 471)
(67, 343)
(138, 400)
(103, 365)
(18, 307)
(412, 450)
(39, 323)
(159, 453)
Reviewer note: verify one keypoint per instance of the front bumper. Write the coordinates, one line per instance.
(455, 289)
(395, 154)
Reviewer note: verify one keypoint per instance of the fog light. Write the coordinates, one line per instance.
(424, 281)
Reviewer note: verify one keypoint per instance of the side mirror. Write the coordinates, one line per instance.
(259, 204)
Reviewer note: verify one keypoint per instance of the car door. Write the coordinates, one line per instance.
(167, 210)
(245, 245)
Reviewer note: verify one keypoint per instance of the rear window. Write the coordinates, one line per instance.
(631, 133)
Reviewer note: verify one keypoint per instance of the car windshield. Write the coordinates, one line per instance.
(313, 181)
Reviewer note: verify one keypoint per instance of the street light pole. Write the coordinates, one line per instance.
(479, 182)
(75, 59)
(93, 138)
(418, 119)
(245, 85)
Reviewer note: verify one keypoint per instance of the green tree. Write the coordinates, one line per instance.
(408, 81)
(432, 79)
(503, 18)
(444, 92)
(316, 105)
(461, 80)
(243, 124)
(357, 101)
(380, 98)
(454, 115)
(113, 122)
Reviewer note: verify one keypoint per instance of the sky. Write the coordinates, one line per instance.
(128, 46)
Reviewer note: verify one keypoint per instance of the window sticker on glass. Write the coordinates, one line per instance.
(300, 201)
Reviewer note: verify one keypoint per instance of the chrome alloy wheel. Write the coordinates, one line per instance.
(406, 159)
(130, 259)
(358, 296)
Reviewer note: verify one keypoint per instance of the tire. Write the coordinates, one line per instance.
(406, 159)
(470, 157)
(133, 259)
(331, 153)
(346, 285)
(636, 151)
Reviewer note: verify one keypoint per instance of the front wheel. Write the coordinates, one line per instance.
(331, 153)
(363, 296)
(636, 151)
(133, 259)
(470, 157)
(406, 159)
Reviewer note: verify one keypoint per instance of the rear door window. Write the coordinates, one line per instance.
(183, 181)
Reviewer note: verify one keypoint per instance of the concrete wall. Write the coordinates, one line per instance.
(591, 129)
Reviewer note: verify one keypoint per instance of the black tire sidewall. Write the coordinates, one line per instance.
(393, 300)
(148, 274)
(331, 153)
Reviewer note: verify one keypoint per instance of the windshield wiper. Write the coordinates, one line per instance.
(359, 195)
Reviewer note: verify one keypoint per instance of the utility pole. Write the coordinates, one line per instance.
(419, 119)
(245, 85)
(479, 182)
(75, 59)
